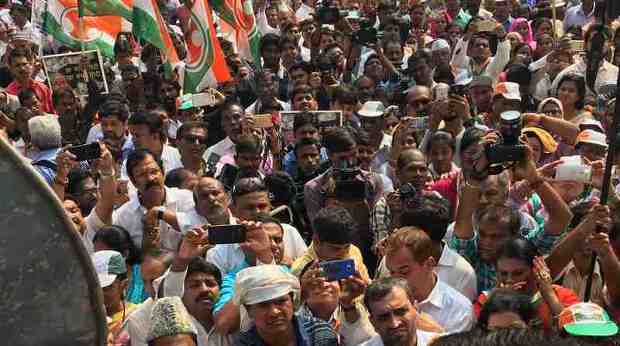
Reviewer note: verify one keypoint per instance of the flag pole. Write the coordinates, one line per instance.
(81, 25)
(554, 17)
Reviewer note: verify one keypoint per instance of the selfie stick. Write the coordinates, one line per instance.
(609, 160)
(554, 17)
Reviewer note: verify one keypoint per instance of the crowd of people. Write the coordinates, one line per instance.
(457, 201)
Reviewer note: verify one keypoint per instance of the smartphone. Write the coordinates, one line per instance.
(337, 270)
(420, 123)
(263, 121)
(486, 26)
(573, 172)
(441, 91)
(86, 152)
(203, 99)
(226, 234)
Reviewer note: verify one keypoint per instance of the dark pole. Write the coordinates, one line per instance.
(607, 176)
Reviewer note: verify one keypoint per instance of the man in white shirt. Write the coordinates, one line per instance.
(233, 117)
(142, 214)
(409, 256)
(147, 131)
(433, 215)
(392, 313)
(579, 15)
(607, 72)
(475, 57)
(250, 198)
(212, 206)
(267, 87)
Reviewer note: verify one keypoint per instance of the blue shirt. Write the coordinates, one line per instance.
(290, 161)
(48, 155)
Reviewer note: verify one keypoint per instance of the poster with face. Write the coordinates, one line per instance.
(75, 70)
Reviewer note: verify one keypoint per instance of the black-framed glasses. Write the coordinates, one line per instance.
(190, 139)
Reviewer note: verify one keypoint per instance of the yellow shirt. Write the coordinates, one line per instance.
(310, 255)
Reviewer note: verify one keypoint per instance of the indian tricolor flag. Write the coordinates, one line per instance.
(61, 21)
(238, 25)
(206, 65)
(149, 25)
(122, 8)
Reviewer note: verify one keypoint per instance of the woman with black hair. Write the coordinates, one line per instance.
(572, 93)
(520, 268)
(505, 308)
(117, 238)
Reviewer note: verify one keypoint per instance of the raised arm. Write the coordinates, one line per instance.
(565, 129)
(107, 185)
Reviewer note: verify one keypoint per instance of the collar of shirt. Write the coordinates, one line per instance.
(572, 270)
(434, 298)
(448, 256)
(170, 199)
(48, 154)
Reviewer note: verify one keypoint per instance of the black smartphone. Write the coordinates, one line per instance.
(86, 152)
(226, 234)
(337, 270)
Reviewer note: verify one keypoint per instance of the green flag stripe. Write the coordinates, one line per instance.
(224, 11)
(106, 8)
(146, 27)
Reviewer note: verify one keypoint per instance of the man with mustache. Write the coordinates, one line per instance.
(198, 283)
(192, 143)
(148, 132)
(233, 115)
(479, 238)
(112, 129)
(142, 215)
(21, 65)
(268, 293)
(393, 313)
(212, 206)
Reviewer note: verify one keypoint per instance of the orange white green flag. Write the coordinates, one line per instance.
(149, 25)
(61, 20)
(206, 65)
(238, 25)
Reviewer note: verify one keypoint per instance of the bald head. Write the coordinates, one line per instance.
(408, 156)
(418, 98)
(211, 200)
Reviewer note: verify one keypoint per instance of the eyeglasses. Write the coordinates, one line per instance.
(195, 140)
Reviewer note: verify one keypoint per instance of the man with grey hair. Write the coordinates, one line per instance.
(46, 138)
(393, 314)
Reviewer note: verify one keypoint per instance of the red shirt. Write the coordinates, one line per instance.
(447, 188)
(40, 89)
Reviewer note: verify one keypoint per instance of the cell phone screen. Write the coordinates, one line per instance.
(86, 152)
(226, 234)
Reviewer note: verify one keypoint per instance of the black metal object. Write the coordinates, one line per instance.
(609, 161)
(49, 293)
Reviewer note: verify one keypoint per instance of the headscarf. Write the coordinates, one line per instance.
(554, 100)
(529, 39)
(259, 284)
(549, 145)
(434, 19)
